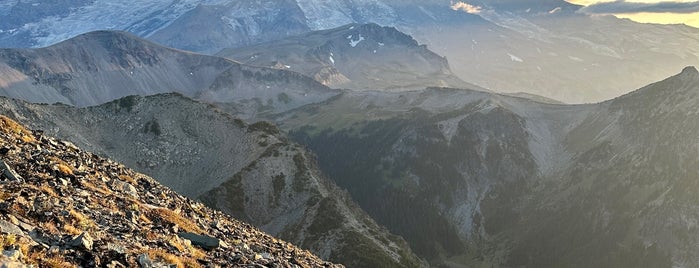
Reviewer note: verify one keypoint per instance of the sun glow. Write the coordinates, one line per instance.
(691, 19)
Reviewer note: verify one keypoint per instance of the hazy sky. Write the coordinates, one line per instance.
(676, 11)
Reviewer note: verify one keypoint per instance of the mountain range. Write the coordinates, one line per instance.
(382, 155)
(545, 48)
(102, 66)
(354, 56)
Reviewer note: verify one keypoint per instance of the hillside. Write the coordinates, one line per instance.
(250, 171)
(507, 181)
(63, 207)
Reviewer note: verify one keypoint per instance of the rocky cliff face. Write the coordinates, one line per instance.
(249, 171)
(65, 207)
(354, 56)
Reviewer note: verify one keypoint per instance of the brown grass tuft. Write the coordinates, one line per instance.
(174, 218)
(70, 229)
(9, 126)
(48, 190)
(128, 179)
(181, 262)
(98, 189)
(65, 169)
(50, 227)
(61, 166)
(81, 221)
(55, 261)
(4, 195)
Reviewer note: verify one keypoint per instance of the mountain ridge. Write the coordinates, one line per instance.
(518, 182)
(250, 171)
(103, 66)
(354, 56)
(91, 211)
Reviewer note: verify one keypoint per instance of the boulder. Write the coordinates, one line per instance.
(8, 172)
(84, 241)
(203, 241)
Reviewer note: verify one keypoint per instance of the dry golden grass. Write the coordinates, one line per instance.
(151, 236)
(144, 219)
(175, 242)
(24, 246)
(27, 139)
(17, 209)
(174, 218)
(9, 126)
(181, 262)
(81, 221)
(128, 179)
(8, 240)
(55, 261)
(102, 189)
(196, 253)
(50, 227)
(65, 169)
(4, 195)
(48, 190)
(70, 229)
(61, 166)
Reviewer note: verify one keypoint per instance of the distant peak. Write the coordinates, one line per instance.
(690, 70)
(102, 34)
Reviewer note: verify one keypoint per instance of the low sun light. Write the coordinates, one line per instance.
(691, 19)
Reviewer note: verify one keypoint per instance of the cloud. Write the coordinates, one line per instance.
(622, 6)
(468, 8)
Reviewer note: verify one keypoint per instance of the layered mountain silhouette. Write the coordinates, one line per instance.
(546, 48)
(462, 176)
(354, 56)
(98, 67)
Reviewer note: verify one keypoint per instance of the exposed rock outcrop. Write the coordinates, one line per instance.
(72, 210)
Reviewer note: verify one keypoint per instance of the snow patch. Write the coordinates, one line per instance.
(515, 58)
(354, 43)
(575, 59)
(331, 59)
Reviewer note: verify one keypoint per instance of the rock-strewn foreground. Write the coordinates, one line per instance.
(63, 207)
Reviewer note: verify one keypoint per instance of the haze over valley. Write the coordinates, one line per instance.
(373, 133)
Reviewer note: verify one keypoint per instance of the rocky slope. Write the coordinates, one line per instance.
(249, 171)
(511, 182)
(354, 56)
(63, 207)
(98, 67)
